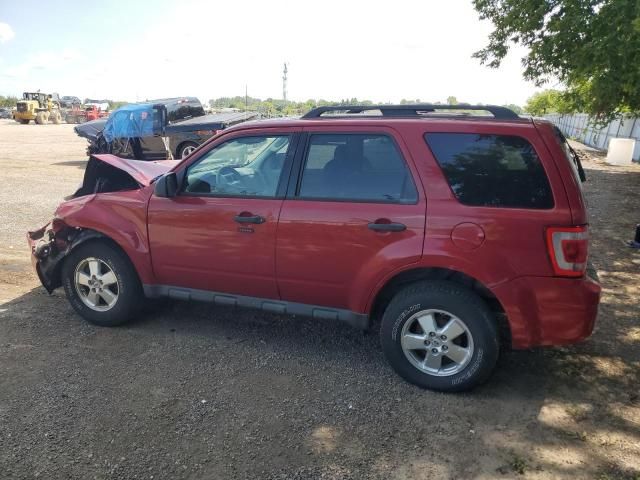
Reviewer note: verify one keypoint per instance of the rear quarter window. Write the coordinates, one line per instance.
(492, 170)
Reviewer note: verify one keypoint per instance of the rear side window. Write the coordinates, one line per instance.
(357, 167)
(183, 110)
(492, 170)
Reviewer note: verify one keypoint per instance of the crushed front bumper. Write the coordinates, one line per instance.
(48, 246)
(44, 256)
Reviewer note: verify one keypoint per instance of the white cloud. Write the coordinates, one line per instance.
(6, 32)
(46, 70)
(335, 49)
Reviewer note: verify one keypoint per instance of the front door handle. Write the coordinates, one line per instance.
(379, 226)
(246, 217)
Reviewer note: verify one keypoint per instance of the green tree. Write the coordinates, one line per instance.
(514, 107)
(452, 100)
(547, 101)
(591, 46)
(8, 102)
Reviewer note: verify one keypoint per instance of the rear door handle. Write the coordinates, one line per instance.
(248, 218)
(387, 227)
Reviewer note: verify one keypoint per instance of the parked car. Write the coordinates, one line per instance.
(184, 124)
(67, 101)
(6, 113)
(461, 233)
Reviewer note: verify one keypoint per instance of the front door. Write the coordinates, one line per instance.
(219, 232)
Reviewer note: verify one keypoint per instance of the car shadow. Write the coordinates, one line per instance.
(72, 163)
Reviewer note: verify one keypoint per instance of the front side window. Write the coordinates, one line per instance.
(492, 170)
(358, 167)
(246, 166)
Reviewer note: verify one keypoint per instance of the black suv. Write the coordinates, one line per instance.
(187, 126)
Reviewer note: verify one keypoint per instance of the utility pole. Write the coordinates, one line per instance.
(284, 84)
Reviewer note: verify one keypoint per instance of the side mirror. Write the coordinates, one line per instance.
(166, 186)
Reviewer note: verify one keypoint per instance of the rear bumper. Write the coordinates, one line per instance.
(550, 310)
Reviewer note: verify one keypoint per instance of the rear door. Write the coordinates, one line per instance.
(354, 215)
(493, 192)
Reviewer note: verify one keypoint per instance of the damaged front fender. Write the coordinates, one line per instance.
(50, 245)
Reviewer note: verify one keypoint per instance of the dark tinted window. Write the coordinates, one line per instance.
(356, 167)
(183, 110)
(492, 170)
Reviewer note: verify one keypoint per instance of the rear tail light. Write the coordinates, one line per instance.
(568, 249)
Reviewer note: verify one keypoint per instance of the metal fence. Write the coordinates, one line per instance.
(581, 127)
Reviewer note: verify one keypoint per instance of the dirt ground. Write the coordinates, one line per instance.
(204, 392)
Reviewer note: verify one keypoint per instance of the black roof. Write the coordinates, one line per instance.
(408, 111)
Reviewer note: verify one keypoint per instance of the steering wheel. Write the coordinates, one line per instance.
(228, 175)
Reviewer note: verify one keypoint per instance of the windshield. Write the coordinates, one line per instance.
(239, 154)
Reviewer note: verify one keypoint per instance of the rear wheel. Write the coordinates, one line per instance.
(101, 284)
(56, 117)
(440, 335)
(187, 149)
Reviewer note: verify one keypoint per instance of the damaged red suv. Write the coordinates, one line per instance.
(460, 232)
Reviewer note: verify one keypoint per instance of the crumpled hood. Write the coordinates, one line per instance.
(141, 171)
(90, 130)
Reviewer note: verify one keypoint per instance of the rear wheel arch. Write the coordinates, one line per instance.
(402, 279)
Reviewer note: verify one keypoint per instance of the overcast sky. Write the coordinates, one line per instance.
(136, 50)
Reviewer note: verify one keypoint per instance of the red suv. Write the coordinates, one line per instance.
(460, 231)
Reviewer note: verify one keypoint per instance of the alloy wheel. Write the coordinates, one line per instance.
(188, 150)
(437, 342)
(96, 284)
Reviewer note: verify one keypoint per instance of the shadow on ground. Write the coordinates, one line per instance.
(72, 163)
(199, 391)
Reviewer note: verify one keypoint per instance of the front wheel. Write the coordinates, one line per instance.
(101, 284)
(441, 336)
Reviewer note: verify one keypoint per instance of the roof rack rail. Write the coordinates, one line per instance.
(409, 111)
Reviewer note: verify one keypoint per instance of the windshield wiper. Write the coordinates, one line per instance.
(576, 160)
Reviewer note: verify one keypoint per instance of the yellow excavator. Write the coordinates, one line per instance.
(41, 107)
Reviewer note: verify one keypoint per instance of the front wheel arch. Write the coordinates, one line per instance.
(82, 238)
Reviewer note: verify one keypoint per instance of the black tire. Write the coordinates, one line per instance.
(186, 146)
(463, 304)
(129, 291)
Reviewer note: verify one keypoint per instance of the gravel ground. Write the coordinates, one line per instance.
(199, 392)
